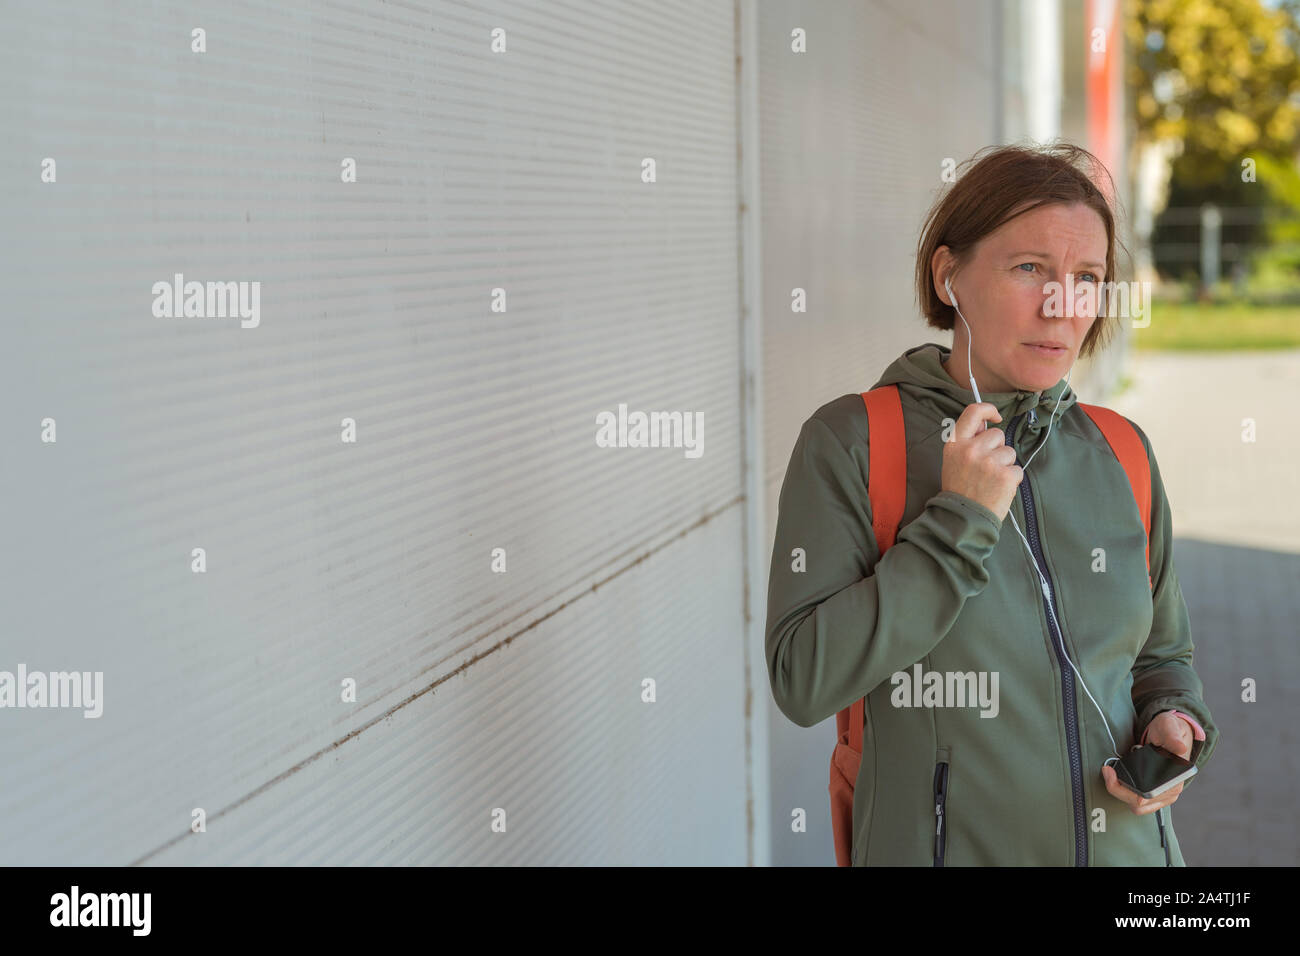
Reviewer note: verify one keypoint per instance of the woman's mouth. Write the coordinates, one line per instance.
(1047, 350)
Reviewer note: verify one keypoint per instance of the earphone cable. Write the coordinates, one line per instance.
(1044, 586)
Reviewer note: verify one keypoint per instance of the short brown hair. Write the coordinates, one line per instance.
(997, 187)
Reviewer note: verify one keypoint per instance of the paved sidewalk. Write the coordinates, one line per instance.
(1237, 552)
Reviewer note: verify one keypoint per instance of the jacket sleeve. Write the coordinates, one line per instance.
(840, 619)
(1163, 677)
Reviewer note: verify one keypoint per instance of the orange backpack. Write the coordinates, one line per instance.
(887, 489)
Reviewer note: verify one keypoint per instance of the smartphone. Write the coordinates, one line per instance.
(1151, 770)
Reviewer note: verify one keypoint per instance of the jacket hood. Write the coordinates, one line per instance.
(920, 371)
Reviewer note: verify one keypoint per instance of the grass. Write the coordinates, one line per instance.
(1219, 326)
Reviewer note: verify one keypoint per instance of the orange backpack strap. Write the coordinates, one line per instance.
(1127, 446)
(887, 463)
(887, 489)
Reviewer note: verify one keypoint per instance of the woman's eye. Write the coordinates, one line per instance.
(1091, 276)
(1030, 264)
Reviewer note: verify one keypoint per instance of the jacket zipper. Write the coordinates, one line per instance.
(1067, 673)
(1164, 840)
(940, 798)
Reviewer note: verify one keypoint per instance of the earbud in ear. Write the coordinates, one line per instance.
(947, 284)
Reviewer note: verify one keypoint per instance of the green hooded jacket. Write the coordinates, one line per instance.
(1012, 776)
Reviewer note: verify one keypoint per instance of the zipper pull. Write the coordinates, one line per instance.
(1033, 418)
(940, 797)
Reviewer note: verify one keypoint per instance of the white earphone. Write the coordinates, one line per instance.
(1046, 589)
(970, 368)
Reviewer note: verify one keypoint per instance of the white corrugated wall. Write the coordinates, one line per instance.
(475, 430)
(478, 693)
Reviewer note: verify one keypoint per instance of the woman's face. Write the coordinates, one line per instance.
(1004, 293)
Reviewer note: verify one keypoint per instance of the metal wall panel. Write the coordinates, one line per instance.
(475, 430)
(609, 780)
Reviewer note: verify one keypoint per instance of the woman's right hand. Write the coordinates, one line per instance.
(977, 462)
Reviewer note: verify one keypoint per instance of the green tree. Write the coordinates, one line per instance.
(1222, 78)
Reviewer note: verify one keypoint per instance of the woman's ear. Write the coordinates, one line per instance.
(941, 267)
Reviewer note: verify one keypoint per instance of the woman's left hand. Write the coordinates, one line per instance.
(1173, 734)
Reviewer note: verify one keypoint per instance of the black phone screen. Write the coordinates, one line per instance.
(1151, 769)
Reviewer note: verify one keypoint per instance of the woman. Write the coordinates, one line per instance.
(1054, 612)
